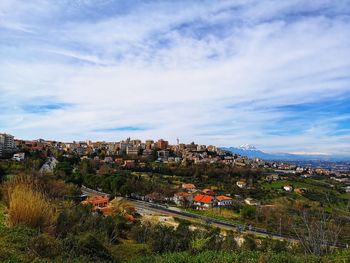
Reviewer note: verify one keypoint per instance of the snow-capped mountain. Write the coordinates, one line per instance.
(247, 147)
(248, 150)
(252, 152)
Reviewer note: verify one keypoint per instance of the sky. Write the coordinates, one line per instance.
(273, 74)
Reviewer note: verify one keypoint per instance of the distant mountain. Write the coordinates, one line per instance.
(252, 152)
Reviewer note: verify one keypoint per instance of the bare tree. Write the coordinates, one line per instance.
(319, 231)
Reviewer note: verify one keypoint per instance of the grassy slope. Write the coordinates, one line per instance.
(13, 240)
(242, 257)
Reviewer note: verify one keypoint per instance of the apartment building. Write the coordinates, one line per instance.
(7, 144)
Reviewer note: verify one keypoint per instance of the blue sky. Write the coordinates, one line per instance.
(275, 74)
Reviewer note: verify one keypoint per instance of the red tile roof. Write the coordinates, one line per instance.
(197, 198)
(182, 194)
(188, 186)
(207, 199)
(223, 197)
(203, 199)
(95, 199)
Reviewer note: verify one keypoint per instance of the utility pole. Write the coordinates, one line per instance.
(280, 225)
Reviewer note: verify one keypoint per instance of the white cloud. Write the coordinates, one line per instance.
(207, 73)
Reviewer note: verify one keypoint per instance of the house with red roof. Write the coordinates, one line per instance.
(203, 201)
(223, 200)
(98, 202)
(189, 187)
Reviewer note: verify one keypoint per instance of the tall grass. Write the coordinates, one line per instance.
(27, 205)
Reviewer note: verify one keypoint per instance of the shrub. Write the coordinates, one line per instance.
(91, 246)
(29, 207)
(229, 243)
(249, 243)
(248, 212)
(45, 246)
(86, 245)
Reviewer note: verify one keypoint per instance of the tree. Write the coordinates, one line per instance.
(318, 231)
(249, 243)
(2, 173)
(229, 243)
(248, 212)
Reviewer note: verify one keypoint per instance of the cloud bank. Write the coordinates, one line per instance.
(275, 74)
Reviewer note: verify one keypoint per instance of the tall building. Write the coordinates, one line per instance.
(149, 144)
(162, 145)
(132, 150)
(7, 144)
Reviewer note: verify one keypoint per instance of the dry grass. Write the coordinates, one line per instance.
(27, 205)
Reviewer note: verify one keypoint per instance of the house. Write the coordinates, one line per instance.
(98, 202)
(288, 188)
(208, 191)
(240, 164)
(251, 201)
(119, 161)
(203, 201)
(155, 197)
(129, 163)
(299, 190)
(163, 155)
(147, 153)
(189, 187)
(241, 184)
(183, 198)
(272, 177)
(223, 200)
(18, 157)
(108, 159)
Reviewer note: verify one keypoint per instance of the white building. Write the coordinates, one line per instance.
(241, 184)
(183, 198)
(223, 200)
(288, 188)
(251, 201)
(18, 157)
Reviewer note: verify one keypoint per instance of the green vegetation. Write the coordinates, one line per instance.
(42, 220)
(244, 256)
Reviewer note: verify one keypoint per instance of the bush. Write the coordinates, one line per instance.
(141, 233)
(248, 212)
(229, 243)
(91, 246)
(29, 207)
(249, 243)
(86, 245)
(45, 246)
